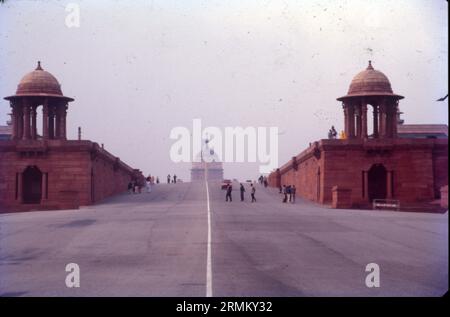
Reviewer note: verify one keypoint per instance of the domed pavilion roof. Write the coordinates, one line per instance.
(39, 83)
(370, 82)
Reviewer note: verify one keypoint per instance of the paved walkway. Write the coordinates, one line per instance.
(156, 244)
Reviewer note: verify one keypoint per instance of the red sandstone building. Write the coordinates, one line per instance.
(49, 171)
(380, 164)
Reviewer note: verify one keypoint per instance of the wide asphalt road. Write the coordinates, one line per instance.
(185, 240)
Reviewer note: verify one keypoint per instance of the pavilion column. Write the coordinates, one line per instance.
(390, 119)
(380, 121)
(375, 121)
(51, 122)
(346, 124)
(358, 121)
(45, 114)
(62, 133)
(394, 119)
(26, 121)
(383, 119)
(351, 121)
(33, 123)
(57, 122)
(14, 119)
(364, 120)
(19, 122)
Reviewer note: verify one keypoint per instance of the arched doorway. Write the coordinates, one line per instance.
(377, 179)
(32, 185)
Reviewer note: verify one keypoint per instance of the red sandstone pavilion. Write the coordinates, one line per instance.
(49, 171)
(354, 171)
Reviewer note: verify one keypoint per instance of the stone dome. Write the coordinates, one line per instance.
(39, 83)
(370, 82)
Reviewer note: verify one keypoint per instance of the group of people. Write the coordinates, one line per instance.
(171, 179)
(332, 133)
(229, 190)
(263, 180)
(288, 193)
(135, 187)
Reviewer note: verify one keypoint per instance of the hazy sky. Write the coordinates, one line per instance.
(139, 68)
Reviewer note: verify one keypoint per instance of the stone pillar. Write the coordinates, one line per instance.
(394, 120)
(62, 133)
(364, 120)
(383, 123)
(358, 121)
(389, 185)
(387, 127)
(20, 187)
(351, 121)
(33, 123)
(19, 122)
(380, 121)
(345, 106)
(375, 121)
(15, 121)
(26, 121)
(366, 185)
(51, 122)
(44, 187)
(57, 122)
(45, 114)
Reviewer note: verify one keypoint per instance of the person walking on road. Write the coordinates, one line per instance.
(168, 179)
(253, 193)
(285, 193)
(228, 196)
(242, 189)
(174, 178)
(148, 184)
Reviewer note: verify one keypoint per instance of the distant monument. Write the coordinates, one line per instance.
(207, 161)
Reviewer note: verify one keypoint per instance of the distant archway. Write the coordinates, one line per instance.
(377, 179)
(32, 185)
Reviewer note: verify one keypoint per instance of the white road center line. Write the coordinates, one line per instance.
(208, 256)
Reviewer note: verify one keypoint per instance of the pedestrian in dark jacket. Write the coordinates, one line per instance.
(242, 189)
(253, 193)
(228, 196)
(285, 193)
